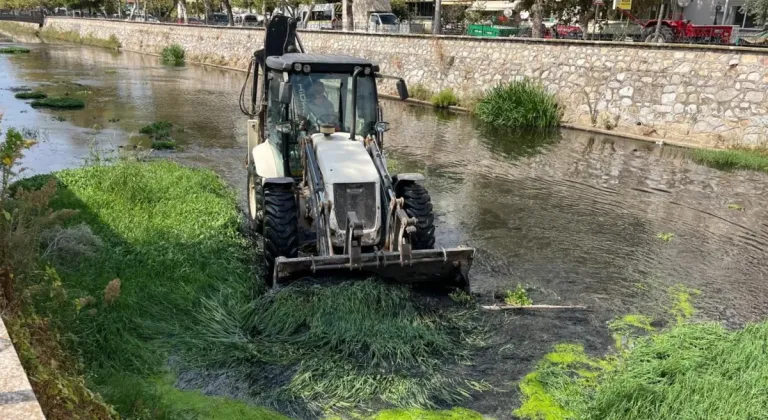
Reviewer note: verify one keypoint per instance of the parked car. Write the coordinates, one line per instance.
(220, 19)
(248, 19)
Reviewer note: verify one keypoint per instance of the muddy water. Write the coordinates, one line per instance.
(574, 216)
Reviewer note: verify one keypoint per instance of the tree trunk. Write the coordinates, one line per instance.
(133, 10)
(536, 24)
(437, 21)
(230, 18)
(207, 6)
(305, 18)
(144, 11)
(183, 6)
(584, 24)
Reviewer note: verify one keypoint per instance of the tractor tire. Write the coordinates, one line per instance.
(418, 204)
(665, 35)
(255, 197)
(281, 230)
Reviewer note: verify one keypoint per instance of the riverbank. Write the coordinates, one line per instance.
(681, 116)
(672, 91)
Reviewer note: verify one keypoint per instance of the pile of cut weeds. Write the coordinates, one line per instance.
(351, 345)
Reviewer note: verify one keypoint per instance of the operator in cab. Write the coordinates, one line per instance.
(318, 109)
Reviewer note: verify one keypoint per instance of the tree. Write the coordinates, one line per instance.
(757, 8)
(400, 8)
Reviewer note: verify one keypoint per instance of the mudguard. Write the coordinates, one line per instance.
(267, 161)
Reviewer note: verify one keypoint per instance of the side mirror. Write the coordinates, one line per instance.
(402, 90)
(285, 93)
(382, 126)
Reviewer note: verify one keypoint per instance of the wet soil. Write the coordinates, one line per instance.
(572, 216)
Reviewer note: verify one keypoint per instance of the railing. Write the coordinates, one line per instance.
(29, 18)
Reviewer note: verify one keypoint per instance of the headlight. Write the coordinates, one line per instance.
(284, 127)
(307, 69)
(297, 66)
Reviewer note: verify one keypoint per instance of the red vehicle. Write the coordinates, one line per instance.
(681, 30)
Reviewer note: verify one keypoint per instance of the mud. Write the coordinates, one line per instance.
(570, 215)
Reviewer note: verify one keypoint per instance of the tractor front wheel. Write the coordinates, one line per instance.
(418, 204)
(281, 234)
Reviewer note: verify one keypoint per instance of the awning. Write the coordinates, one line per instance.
(486, 6)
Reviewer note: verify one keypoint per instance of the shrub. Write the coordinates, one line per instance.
(173, 54)
(519, 104)
(31, 95)
(420, 92)
(444, 98)
(60, 102)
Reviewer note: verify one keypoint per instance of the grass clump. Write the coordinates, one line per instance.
(461, 297)
(173, 54)
(736, 207)
(519, 104)
(36, 94)
(732, 159)
(517, 297)
(420, 92)
(160, 134)
(444, 99)
(14, 50)
(58, 102)
(665, 236)
(340, 346)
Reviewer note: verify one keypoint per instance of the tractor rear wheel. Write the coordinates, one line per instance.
(281, 234)
(418, 204)
(255, 197)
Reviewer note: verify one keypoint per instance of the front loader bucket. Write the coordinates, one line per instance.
(448, 267)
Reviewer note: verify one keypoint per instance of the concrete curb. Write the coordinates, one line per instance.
(17, 400)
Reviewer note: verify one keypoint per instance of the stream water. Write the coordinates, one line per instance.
(574, 216)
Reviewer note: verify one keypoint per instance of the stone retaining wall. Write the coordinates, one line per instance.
(712, 95)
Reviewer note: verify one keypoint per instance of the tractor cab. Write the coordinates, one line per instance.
(306, 92)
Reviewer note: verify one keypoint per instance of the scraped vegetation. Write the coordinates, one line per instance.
(346, 345)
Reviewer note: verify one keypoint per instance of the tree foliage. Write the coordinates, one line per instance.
(758, 8)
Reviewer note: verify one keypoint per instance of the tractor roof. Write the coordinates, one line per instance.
(320, 63)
